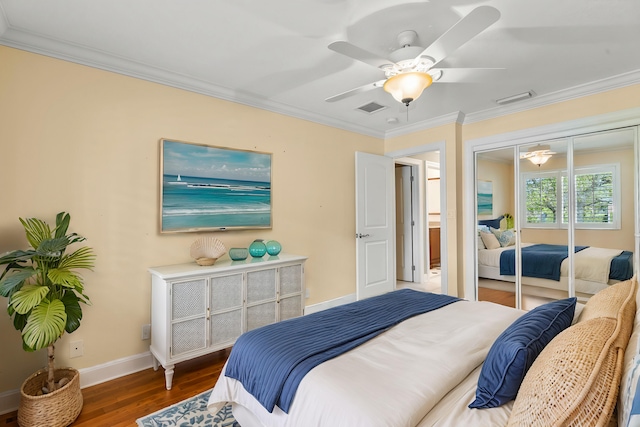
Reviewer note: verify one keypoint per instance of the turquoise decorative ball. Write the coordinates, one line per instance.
(257, 249)
(273, 247)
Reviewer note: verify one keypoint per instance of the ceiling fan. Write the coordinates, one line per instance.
(410, 69)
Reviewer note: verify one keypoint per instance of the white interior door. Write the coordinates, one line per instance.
(375, 253)
(404, 223)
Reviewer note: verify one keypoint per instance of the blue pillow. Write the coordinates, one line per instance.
(495, 223)
(513, 353)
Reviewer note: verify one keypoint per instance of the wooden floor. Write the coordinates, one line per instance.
(122, 401)
(499, 297)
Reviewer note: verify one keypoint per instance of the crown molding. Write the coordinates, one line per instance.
(456, 117)
(592, 88)
(24, 40)
(94, 58)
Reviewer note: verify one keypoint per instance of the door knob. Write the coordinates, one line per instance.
(360, 236)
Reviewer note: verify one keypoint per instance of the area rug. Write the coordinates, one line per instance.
(192, 413)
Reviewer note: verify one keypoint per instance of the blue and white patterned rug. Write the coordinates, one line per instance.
(192, 413)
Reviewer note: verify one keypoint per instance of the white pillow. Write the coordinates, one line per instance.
(490, 240)
(481, 243)
(505, 237)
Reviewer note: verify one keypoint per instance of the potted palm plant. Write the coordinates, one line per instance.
(44, 294)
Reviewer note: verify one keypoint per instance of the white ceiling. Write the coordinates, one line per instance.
(273, 54)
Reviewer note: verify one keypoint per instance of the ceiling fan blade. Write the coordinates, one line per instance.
(478, 20)
(466, 75)
(356, 91)
(359, 54)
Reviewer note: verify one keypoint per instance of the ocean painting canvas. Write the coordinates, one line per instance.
(485, 198)
(213, 188)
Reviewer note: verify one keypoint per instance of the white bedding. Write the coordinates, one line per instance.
(591, 270)
(394, 379)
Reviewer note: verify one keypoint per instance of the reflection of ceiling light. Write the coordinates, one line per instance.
(407, 87)
(538, 155)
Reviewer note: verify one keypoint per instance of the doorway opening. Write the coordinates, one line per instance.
(419, 224)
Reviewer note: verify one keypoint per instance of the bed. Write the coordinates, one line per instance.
(545, 267)
(425, 370)
(595, 268)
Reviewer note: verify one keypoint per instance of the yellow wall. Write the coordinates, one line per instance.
(84, 140)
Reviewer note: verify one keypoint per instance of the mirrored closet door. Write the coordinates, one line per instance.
(556, 218)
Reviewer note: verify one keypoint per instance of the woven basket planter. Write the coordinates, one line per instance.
(56, 409)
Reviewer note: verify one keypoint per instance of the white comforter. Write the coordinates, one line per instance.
(393, 380)
(591, 264)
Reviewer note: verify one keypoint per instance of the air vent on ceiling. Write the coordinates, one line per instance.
(371, 107)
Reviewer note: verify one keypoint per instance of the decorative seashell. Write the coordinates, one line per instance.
(207, 250)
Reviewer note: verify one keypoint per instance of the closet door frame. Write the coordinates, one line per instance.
(569, 129)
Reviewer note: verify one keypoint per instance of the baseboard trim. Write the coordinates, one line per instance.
(10, 400)
(328, 304)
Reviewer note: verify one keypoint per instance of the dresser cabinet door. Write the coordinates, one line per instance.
(290, 303)
(226, 302)
(261, 298)
(188, 316)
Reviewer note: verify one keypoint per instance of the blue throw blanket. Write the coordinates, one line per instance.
(271, 361)
(541, 261)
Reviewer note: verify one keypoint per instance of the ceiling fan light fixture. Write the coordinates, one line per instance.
(538, 155)
(539, 159)
(407, 87)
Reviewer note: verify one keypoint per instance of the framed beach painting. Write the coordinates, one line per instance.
(485, 198)
(206, 188)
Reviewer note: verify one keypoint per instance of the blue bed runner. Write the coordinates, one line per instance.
(541, 261)
(622, 266)
(271, 361)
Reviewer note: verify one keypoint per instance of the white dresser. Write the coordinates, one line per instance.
(198, 310)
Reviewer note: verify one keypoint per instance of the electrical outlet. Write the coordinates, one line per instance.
(76, 349)
(146, 332)
(307, 293)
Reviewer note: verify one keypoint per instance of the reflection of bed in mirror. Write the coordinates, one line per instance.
(595, 269)
(545, 267)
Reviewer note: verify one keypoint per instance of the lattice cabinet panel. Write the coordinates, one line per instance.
(188, 299)
(197, 310)
(226, 327)
(261, 285)
(291, 279)
(290, 307)
(261, 315)
(187, 336)
(226, 292)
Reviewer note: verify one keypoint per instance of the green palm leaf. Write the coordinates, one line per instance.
(82, 258)
(37, 231)
(28, 297)
(62, 224)
(52, 247)
(66, 278)
(73, 310)
(14, 281)
(45, 325)
(16, 256)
